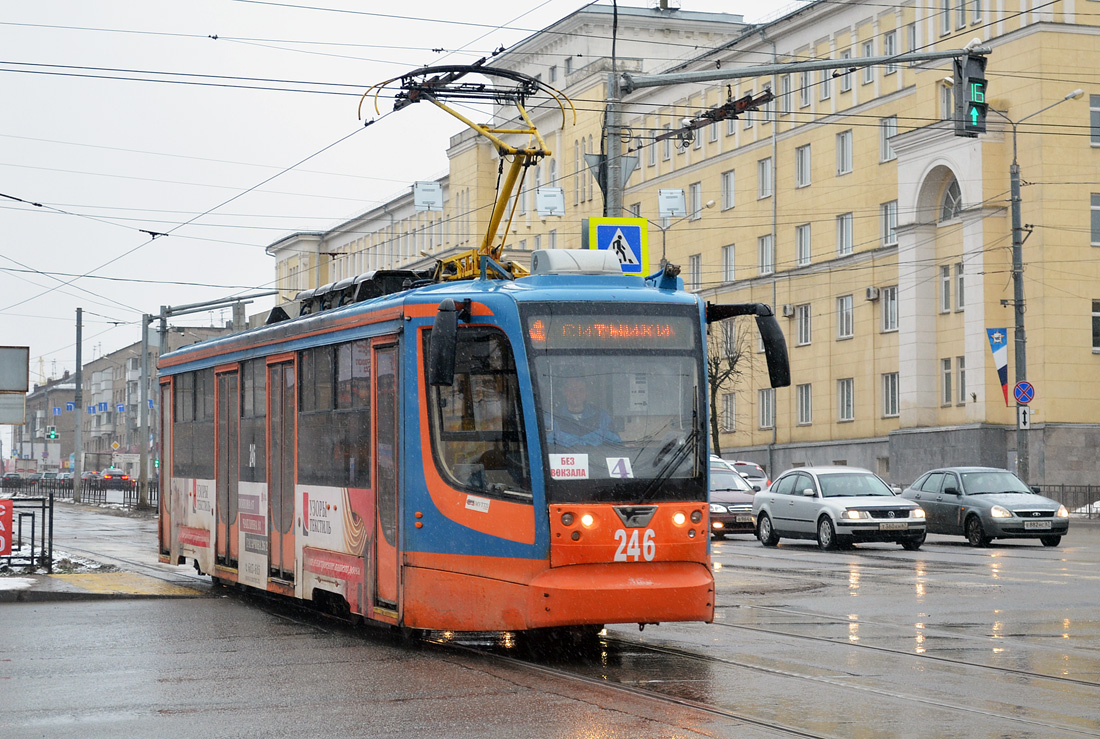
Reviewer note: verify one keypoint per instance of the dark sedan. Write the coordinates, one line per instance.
(985, 503)
(730, 502)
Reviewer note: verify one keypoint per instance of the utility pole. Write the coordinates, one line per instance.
(1023, 461)
(143, 417)
(78, 411)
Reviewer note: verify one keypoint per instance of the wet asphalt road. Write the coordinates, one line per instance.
(876, 641)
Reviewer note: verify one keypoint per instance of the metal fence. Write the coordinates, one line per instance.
(1080, 500)
(32, 533)
(91, 491)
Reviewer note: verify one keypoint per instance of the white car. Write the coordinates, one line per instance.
(838, 506)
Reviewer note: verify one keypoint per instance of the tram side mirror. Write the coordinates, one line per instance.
(441, 345)
(775, 345)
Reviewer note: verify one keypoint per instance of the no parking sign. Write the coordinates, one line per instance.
(5, 527)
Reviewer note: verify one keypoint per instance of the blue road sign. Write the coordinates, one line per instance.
(626, 238)
(1024, 392)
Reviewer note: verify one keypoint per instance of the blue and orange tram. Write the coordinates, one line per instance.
(476, 455)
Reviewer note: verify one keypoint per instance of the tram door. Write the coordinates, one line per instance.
(227, 467)
(280, 461)
(386, 459)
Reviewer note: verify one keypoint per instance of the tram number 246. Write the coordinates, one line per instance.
(633, 547)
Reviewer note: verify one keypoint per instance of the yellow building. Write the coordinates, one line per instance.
(883, 240)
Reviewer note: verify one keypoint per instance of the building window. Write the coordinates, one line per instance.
(731, 126)
(844, 152)
(1094, 119)
(695, 272)
(651, 155)
(911, 39)
(826, 83)
(712, 133)
(552, 239)
(846, 399)
(805, 405)
(804, 83)
(947, 103)
(960, 378)
(577, 164)
(802, 244)
(960, 13)
(844, 234)
(952, 202)
(766, 252)
(666, 144)
(635, 210)
(747, 116)
(766, 398)
(960, 293)
(802, 166)
(695, 201)
(947, 396)
(945, 289)
(889, 297)
(890, 48)
(845, 321)
(976, 13)
(728, 189)
(785, 94)
(890, 394)
(729, 412)
(728, 264)
(1095, 219)
(1096, 325)
(569, 65)
(802, 319)
(890, 223)
(945, 16)
(868, 71)
(845, 76)
(888, 127)
(764, 178)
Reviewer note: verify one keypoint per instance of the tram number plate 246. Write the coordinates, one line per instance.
(635, 545)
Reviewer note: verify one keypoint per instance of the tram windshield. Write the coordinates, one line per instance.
(618, 391)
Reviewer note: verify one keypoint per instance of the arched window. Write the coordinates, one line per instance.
(952, 201)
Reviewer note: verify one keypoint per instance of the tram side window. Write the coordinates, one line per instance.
(254, 421)
(477, 422)
(334, 415)
(193, 428)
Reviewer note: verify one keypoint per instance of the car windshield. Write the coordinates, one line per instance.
(727, 479)
(752, 470)
(848, 484)
(982, 483)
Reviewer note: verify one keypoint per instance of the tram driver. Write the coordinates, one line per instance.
(576, 422)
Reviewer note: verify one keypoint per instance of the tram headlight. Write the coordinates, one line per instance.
(587, 520)
(679, 518)
(567, 519)
(697, 515)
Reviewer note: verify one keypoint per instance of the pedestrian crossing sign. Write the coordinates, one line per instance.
(626, 238)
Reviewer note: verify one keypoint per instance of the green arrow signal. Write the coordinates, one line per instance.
(973, 116)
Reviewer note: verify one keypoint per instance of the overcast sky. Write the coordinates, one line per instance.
(222, 124)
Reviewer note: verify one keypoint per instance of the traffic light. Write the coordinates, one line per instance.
(970, 97)
(51, 432)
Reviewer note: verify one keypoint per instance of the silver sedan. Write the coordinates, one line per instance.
(838, 506)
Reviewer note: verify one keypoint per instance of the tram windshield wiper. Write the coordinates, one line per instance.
(670, 466)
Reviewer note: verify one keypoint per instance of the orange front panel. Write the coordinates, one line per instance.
(607, 539)
(562, 596)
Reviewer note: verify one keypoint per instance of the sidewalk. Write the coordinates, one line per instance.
(103, 553)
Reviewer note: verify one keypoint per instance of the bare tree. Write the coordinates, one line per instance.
(729, 356)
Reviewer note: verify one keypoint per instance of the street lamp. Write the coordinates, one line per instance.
(664, 229)
(1020, 336)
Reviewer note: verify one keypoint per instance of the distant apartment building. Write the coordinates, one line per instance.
(883, 241)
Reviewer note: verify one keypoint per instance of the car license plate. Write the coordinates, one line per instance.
(1036, 524)
(893, 526)
(744, 518)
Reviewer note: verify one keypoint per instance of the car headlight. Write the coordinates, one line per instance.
(855, 514)
(715, 508)
(916, 513)
(1061, 512)
(1000, 512)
